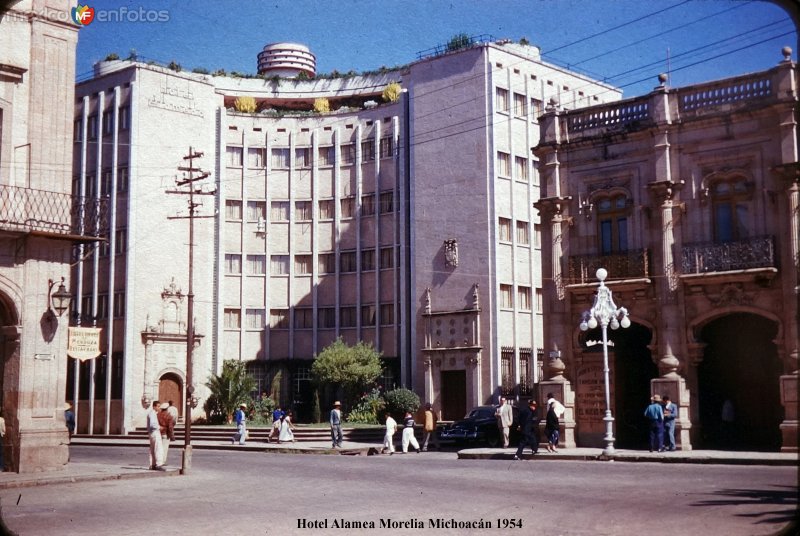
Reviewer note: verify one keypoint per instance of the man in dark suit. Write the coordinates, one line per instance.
(529, 426)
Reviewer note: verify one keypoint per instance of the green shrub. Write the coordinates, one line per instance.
(391, 93)
(459, 41)
(261, 411)
(368, 409)
(401, 400)
(321, 105)
(245, 104)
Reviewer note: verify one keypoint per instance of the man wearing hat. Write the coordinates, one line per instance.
(166, 425)
(336, 425)
(239, 418)
(529, 426)
(655, 415)
(154, 434)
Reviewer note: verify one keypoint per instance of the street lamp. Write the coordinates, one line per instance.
(605, 313)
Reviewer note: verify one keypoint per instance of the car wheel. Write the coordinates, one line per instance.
(493, 439)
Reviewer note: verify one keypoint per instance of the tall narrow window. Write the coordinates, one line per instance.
(387, 202)
(326, 155)
(367, 150)
(503, 164)
(506, 296)
(233, 318)
(348, 153)
(505, 229)
(502, 100)
(612, 218)
(280, 158)
(347, 261)
(233, 209)
(326, 207)
(302, 157)
(348, 206)
(387, 147)
(521, 168)
(256, 210)
(347, 317)
(731, 208)
(256, 157)
(279, 318)
(367, 260)
(256, 264)
(326, 263)
(368, 204)
(302, 210)
(279, 211)
(233, 264)
(255, 318)
(520, 105)
(523, 238)
(234, 155)
(279, 264)
(387, 258)
(524, 298)
(302, 264)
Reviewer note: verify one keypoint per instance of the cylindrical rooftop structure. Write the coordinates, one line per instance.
(287, 60)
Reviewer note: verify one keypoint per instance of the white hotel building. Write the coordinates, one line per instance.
(407, 224)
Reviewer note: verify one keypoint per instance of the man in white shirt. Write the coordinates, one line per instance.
(391, 428)
(154, 434)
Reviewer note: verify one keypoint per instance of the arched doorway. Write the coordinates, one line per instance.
(740, 363)
(170, 388)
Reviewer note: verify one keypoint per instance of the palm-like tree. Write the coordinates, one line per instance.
(230, 388)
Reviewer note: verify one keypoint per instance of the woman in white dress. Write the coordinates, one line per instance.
(286, 434)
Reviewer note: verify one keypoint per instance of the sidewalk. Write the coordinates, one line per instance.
(86, 472)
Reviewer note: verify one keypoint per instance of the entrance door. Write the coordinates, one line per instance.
(169, 388)
(454, 394)
(741, 365)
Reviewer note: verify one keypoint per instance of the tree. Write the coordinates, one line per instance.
(398, 401)
(230, 388)
(459, 41)
(353, 368)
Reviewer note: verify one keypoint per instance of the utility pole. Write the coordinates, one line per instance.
(186, 460)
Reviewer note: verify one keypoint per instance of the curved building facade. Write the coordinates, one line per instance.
(287, 60)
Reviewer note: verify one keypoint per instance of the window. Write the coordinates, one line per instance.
(503, 164)
(387, 202)
(502, 100)
(326, 207)
(520, 108)
(524, 298)
(347, 317)
(279, 211)
(326, 317)
(77, 132)
(233, 318)
(387, 258)
(255, 319)
(387, 147)
(256, 210)
(124, 117)
(367, 260)
(302, 264)
(105, 183)
(537, 235)
(303, 211)
(347, 261)
(122, 180)
(387, 314)
(108, 123)
(326, 263)
(505, 230)
(525, 368)
(119, 304)
(731, 207)
(121, 245)
(613, 224)
(256, 157)
(256, 264)
(367, 315)
(506, 296)
(233, 209)
(104, 248)
(536, 109)
(521, 168)
(280, 158)
(303, 318)
(279, 264)
(279, 318)
(327, 155)
(92, 127)
(233, 264)
(522, 233)
(302, 157)
(507, 370)
(367, 150)
(348, 206)
(348, 153)
(368, 205)
(234, 156)
(539, 301)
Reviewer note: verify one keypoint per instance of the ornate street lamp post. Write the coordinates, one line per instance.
(605, 313)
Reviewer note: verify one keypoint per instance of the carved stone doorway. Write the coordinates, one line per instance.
(170, 388)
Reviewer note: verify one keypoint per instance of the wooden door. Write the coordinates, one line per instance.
(454, 394)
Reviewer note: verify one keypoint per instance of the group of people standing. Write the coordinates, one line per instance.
(282, 426)
(528, 424)
(429, 420)
(161, 419)
(661, 414)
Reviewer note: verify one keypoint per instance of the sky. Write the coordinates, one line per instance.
(626, 43)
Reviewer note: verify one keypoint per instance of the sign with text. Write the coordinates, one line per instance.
(84, 343)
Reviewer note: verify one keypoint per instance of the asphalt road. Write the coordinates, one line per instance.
(258, 493)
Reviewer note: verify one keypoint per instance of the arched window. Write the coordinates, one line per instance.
(730, 200)
(612, 221)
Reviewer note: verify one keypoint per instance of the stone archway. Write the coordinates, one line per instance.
(740, 363)
(170, 387)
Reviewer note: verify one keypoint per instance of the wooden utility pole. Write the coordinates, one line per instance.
(186, 460)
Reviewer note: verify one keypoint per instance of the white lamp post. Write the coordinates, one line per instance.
(605, 313)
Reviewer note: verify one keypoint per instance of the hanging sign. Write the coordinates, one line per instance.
(84, 343)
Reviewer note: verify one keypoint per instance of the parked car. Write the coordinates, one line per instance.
(479, 426)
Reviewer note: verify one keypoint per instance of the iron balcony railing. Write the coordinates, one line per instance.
(27, 210)
(629, 265)
(708, 257)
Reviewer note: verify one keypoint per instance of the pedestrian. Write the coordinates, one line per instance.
(505, 418)
(559, 407)
(277, 419)
(69, 418)
(529, 427)
(173, 411)
(430, 422)
(388, 439)
(240, 418)
(287, 429)
(670, 414)
(408, 433)
(336, 425)
(551, 427)
(2, 441)
(167, 428)
(154, 434)
(655, 416)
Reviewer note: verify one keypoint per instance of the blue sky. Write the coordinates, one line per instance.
(625, 42)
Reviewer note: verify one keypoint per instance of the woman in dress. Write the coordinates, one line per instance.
(551, 427)
(286, 434)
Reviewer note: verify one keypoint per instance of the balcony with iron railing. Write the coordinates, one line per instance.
(53, 214)
(709, 257)
(633, 264)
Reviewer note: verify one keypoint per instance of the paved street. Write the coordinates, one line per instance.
(258, 493)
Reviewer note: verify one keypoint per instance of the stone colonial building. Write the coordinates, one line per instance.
(689, 198)
(407, 223)
(39, 222)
